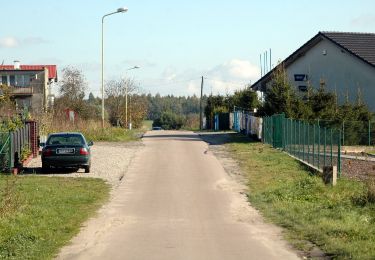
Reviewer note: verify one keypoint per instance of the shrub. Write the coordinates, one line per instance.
(168, 121)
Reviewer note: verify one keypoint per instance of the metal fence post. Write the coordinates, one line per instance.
(369, 133)
(343, 132)
(313, 161)
(291, 135)
(304, 140)
(331, 147)
(339, 154)
(299, 138)
(325, 147)
(286, 134)
(295, 136)
(318, 144)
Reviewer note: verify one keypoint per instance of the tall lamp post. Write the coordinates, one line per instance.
(119, 10)
(126, 100)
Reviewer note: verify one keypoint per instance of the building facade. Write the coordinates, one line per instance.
(343, 62)
(29, 85)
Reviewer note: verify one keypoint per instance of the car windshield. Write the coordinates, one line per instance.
(65, 140)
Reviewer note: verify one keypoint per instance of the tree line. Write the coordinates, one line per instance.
(124, 103)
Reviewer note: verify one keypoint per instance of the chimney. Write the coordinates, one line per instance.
(17, 65)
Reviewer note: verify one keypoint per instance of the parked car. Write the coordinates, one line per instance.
(66, 150)
(157, 128)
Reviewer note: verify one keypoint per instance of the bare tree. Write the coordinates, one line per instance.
(73, 84)
(72, 89)
(118, 93)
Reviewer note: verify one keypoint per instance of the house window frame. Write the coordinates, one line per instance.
(6, 80)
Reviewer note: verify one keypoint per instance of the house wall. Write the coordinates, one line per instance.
(342, 72)
(38, 80)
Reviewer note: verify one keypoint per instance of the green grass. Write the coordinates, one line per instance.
(340, 220)
(371, 152)
(147, 124)
(39, 215)
(111, 134)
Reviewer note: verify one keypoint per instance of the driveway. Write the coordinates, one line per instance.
(176, 201)
(110, 161)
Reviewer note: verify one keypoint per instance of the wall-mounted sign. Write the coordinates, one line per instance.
(300, 77)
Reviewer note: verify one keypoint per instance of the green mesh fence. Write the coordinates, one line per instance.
(353, 133)
(314, 144)
(5, 152)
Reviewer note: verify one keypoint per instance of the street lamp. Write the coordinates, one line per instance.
(126, 100)
(119, 10)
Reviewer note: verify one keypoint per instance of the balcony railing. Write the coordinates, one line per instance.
(21, 91)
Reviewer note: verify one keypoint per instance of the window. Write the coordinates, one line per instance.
(4, 80)
(68, 139)
(19, 81)
(12, 80)
(302, 88)
(300, 77)
(22, 80)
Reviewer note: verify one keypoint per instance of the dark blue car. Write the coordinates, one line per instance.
(66, 150)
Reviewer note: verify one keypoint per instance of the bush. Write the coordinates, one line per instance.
(169, 121)
(91, 129)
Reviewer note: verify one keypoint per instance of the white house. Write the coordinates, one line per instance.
(343, 62)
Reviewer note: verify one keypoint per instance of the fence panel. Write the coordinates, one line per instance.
(5, 152)
(354, 133)
(314, 144)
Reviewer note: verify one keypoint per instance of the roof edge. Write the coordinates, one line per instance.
(294, 56)
(346, 49)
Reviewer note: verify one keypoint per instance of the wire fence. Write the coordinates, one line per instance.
(5, 152)
(313, 144)
(353, 132)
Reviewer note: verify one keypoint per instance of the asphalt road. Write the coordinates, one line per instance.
(177, 202)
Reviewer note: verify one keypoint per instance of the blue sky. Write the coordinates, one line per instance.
(174, 42)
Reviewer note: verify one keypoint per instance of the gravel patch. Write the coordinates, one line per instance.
(109, 162)
(358, 169)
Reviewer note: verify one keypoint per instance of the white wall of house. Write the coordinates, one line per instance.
(341, 71)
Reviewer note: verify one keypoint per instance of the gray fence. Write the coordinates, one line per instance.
(20, 140)
(14, 144)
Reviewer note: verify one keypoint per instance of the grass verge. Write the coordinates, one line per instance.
(111, 134)
(39, 215)
(147, 125)
(340, 220)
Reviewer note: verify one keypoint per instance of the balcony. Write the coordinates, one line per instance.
(21, 91)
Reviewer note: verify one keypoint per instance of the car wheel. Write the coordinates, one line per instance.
(87, 169)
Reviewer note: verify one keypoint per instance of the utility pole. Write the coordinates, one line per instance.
(200, 108)
(126, 105)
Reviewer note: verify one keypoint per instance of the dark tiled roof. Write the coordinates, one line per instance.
(360, 44)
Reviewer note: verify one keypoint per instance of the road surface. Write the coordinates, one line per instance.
(177, 202)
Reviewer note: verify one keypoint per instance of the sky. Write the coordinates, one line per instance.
(174, 43)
